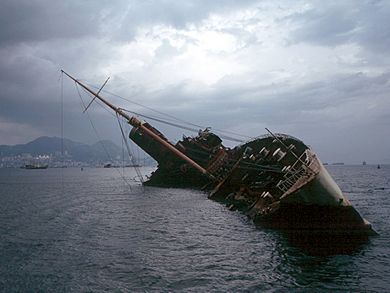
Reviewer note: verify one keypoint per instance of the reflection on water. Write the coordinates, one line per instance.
(326, 244)
(67, 230)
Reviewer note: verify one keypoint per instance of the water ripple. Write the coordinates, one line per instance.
(67, 230)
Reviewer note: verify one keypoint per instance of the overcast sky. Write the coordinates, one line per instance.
(318, 70)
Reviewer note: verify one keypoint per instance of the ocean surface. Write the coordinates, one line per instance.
(67, 230)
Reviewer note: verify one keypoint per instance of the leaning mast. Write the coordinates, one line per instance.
(135, 122)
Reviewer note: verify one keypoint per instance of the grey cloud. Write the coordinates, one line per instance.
(374, 32)
(333, 23)
(337, 93)
(166, 50)
(293, 103)
(40, 20)
(177, 14)
(32, 21)
(37, 38)
(328, 26)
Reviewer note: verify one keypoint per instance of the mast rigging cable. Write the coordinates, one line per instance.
(252, 166)
(175, 118)
(98, 137)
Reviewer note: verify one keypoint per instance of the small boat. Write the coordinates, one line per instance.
(275, 179)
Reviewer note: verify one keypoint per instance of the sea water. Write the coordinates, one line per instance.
(73, 230)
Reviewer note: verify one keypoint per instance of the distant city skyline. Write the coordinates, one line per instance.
(58, 152)
(312, 69)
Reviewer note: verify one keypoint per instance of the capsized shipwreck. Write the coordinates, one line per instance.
(276, 179)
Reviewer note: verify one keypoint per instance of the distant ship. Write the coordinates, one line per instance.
(34, 166)
(118, 166)
(364, 163)
(275, 179)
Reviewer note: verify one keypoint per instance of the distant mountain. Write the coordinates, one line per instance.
(104, 150)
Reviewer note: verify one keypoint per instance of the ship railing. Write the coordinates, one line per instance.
(293, 174)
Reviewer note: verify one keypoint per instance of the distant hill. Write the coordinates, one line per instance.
(74, 150)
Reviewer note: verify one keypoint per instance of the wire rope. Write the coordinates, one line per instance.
(139, 174)
(98, 137)
(173, 117)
